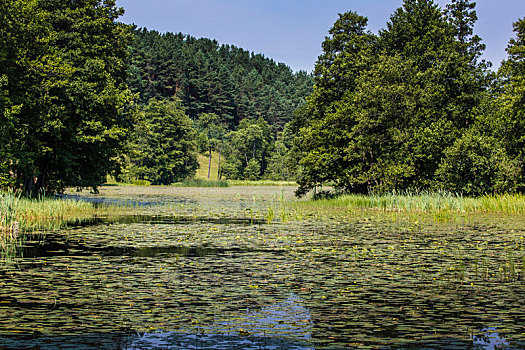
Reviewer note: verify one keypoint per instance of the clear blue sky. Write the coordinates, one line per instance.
(291, 31)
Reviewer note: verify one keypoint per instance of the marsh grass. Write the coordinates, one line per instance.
(202, 183)
(261, 183)
(18, 214)
(8, 223)
(283, 210)
(111, 181)
(437, 207)
(436, 202)
(9, 226)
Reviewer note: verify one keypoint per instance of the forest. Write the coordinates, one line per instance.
(411, 108)
(228, 100)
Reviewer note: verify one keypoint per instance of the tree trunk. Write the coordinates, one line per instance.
(28, 185)
(209, 165)
(40, 185)
(219, 168)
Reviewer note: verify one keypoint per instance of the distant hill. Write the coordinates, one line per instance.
(211, 78)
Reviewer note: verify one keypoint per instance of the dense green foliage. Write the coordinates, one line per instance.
(239, 101)
(67, 117)
(162, 147)
(248, 149)
(409, 108)
(64, 95)
(412, 107)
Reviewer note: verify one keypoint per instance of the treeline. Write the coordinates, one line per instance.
(410, 108)
(414, 107)
(228, 100)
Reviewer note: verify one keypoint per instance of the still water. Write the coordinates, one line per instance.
(198, 268)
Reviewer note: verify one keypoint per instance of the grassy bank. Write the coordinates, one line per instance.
(426, 202)
(19, 214)
(203, 182)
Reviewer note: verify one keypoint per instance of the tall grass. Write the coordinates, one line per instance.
(9, 227)
(426, 202)
(110, 181)
(19, 214)
(261, 183)
(202, 183)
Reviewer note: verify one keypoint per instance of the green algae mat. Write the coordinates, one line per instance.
(245, 268)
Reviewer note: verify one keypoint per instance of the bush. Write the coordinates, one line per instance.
(231, 169)
(476, 164)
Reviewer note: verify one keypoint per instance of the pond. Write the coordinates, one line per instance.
(241, 268)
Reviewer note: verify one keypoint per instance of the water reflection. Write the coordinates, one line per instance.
(284, 325)
(166, 341)
(49, 249)
(155, 220)
(56, 246)
(280, 326)
(116, 201)
(213, 341)
(289, 317)
(50, 244)
(490, 340)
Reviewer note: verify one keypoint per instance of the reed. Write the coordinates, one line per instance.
(430, 202)
(18, 214)
(261, 183)
(9, 226)
(202, 183)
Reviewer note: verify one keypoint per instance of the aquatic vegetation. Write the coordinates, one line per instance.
(202, 183)
(210, 266)
(432, 202)
(19, 215)
(9, 227)
(261, 183)
(44, 212)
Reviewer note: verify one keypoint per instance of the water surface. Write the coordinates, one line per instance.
(201, 268)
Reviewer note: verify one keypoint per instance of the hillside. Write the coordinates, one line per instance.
(202, 171)
(210, 78)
